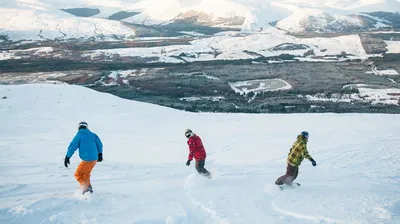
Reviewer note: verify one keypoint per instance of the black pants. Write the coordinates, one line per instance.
(289, 177)
(200, 168)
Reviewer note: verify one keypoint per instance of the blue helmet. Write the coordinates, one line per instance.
(305, 134)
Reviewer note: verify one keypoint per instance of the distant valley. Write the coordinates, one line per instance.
(275, 57)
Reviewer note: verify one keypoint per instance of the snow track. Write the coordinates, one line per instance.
(315, 219)
(192, 181)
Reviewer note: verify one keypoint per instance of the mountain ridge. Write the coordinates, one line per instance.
(55, 20)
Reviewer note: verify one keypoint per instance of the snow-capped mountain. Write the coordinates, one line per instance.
(337, 16)
(107, 20)
(289, 15)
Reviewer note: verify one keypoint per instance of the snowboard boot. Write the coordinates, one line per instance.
(292, 185)
(206, 174)
(89, 189)
(295, 185)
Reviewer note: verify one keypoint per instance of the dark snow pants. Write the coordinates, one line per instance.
(289, 177)
(200, 168)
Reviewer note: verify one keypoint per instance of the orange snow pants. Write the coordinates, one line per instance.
(82, 173)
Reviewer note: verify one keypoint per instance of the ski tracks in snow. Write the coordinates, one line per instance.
(190, 182)
(270, 203)
(315, 219)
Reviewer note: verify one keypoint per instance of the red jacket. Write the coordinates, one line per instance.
(196, 148)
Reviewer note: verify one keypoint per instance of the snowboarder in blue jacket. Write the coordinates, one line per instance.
(90, 151)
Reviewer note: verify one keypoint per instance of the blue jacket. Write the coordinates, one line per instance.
(89, 145)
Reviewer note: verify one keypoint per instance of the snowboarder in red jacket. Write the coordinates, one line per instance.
(196, 151)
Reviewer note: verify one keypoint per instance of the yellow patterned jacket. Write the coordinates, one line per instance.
(298, 152)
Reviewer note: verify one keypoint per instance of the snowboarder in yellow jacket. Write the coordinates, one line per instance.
(296, 155)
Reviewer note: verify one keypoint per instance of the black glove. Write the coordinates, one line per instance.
(188, 163)
(100, 157)
(313, 162)
(66, 161)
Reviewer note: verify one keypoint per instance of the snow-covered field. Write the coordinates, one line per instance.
(382, 72)
(18, 54)
(228, 47)
(393, 47)
(143, 178)
(371, 94)
(258, 86)
(207, 98)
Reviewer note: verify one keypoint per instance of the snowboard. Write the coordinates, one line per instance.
(286, 186)
(209, 176)
(82, 196)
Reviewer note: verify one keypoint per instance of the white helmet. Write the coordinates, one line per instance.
(188, 133)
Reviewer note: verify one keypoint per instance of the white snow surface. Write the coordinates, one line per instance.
(383, 72)
(210, 98)
(393, 47)
(18, 54)
(4, 55)
(259, 86)
(143, 178)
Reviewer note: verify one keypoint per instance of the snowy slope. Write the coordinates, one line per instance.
(167, 10)
(143, 178)
(330, 15)
(40, 20)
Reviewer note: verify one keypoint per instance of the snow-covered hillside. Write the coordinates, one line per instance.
(331, 16)
(49, 19)
(257, 14)
(143, 178)
(37, 20)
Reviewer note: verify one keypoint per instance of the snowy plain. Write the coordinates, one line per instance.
(393, 47)
(143, 178)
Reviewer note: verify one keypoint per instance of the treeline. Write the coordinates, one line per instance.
(272, 102)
